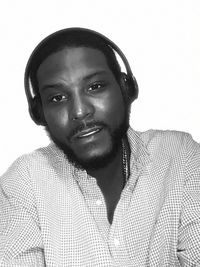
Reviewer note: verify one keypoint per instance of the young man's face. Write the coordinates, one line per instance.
(83, 105)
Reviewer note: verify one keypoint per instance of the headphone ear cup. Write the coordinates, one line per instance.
(130, 87)
(36, 111)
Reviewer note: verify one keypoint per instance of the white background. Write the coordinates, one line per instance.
(161, 39)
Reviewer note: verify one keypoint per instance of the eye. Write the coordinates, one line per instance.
(96, 86)
(58, 98)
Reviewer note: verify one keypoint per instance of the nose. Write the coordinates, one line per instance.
(81, 108)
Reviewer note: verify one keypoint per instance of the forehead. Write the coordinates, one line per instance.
(72, 60)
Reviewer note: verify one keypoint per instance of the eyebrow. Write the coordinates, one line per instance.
(86, 78)
(89, 76)
(53, 85)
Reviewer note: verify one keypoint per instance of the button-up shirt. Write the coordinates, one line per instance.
(53, 214)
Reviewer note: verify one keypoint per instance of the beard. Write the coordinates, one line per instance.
(96, 162)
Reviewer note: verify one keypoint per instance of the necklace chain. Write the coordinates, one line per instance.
(125, 162)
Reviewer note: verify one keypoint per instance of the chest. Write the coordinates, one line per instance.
(75, 215)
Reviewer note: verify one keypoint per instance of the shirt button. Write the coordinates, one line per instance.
(99, 202)
(116, 242)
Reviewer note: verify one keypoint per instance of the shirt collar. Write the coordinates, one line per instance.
(59, 157)
(140, 155)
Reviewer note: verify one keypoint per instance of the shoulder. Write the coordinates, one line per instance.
(21, 178)
(163, 135)
(169, 141)
(39, 159)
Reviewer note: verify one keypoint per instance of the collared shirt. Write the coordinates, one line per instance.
(52, 214)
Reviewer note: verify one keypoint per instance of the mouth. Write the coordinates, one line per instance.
(87, 132)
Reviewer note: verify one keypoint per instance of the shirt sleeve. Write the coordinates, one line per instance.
(189, 230)
(20, 236)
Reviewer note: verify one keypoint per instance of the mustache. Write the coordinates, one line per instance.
(83, 126)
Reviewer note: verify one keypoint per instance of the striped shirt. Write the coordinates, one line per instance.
(52, 214)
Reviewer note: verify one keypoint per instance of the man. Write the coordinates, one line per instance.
(101, 194)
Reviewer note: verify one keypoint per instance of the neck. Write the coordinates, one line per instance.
(112, 175)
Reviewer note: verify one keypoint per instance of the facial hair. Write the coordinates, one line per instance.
(97, 162)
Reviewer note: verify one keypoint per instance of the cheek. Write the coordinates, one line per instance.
(57, 118)
(112, 108)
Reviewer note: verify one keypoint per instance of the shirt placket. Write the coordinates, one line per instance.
(96, 204)
(116, 240)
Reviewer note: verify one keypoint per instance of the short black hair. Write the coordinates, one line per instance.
(62, 39)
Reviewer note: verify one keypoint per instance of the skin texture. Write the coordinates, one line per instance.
(85, 114)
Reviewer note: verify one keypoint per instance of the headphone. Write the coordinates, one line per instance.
(128, 82)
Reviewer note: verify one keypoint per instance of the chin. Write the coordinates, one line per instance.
(95, 160)
(93, 155)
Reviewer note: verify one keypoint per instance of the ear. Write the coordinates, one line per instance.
(36, 111)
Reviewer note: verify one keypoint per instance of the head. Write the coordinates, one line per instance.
(80, 95)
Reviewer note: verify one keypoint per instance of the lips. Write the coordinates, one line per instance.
(87, 132)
